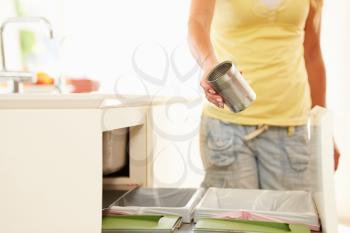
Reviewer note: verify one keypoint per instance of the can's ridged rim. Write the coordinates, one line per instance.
(219, 70)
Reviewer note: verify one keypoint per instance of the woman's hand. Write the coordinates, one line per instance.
(210, 93)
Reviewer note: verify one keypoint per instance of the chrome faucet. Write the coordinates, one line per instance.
(17, 76)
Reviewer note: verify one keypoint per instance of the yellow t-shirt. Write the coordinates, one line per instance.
(264, 38)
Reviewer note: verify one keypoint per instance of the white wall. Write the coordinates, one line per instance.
(336, 48)
(7, 10)
(104, 36)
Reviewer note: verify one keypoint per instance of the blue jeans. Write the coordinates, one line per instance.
(275, 159)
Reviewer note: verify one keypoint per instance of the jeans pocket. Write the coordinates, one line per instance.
(220, 142)
(298, 151)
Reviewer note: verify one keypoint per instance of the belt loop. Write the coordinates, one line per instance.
(291, 130)
(259, 130)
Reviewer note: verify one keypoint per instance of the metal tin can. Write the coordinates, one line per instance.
(229, 83)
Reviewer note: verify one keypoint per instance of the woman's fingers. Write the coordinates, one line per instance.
(215, 99)
(207, 88)
(211, 95)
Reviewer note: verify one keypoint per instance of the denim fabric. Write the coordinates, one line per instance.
(272, 160)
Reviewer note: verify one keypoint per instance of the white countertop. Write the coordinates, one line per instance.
(89, 101)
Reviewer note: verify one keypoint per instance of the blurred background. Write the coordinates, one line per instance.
(139, 47)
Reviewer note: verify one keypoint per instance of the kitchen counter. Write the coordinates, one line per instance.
(51, 157)
(83, 101)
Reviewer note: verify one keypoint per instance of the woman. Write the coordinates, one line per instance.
(276, 45)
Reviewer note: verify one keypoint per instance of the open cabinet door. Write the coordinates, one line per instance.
(323, 168)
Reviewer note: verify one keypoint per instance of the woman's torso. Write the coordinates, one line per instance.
(265, 40)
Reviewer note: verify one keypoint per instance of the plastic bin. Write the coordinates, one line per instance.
(167, 201)
(284, 206)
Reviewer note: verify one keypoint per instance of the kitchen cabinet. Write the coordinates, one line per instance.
(51, 158)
